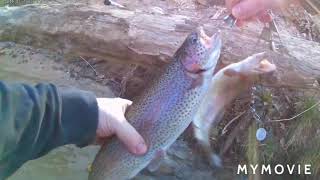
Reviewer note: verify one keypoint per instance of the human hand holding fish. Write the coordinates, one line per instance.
(112, 121)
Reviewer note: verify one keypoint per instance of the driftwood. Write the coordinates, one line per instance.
(149, 39)
(313, 6)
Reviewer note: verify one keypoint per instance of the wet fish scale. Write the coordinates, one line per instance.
(160, 115)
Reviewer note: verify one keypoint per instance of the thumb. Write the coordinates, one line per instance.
(131, 138)
(264, 17)
(125, 103)
(248, 8)
(231, 3)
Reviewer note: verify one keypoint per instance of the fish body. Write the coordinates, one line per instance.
(226, 85)
(165, 109)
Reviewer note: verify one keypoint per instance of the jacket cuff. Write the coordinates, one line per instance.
(79, 117)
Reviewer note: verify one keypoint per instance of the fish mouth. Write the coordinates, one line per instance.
(212, 45)
(210, 42)
(215, 46)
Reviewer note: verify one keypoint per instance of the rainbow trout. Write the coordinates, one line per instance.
(165, 109)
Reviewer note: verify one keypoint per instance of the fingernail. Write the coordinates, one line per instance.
(141, 148)
(236, 11)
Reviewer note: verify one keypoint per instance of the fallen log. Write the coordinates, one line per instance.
(148, 39)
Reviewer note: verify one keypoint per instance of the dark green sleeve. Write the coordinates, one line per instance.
(36, 119)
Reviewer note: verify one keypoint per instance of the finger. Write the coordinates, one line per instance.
(264, 17)
(248, 8)
(131, 138)
(125, 101)
(231, 3)
(241, 23)
(125, 104)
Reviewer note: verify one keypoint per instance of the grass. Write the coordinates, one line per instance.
(304, 136)
(266, 97)
(252, 145)
(299, 144)
(253, 151)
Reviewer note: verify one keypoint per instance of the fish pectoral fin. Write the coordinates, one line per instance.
(156, 162)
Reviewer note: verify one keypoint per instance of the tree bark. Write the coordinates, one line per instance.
(149, 39)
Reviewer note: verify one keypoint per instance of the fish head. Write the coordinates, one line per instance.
(200, 52)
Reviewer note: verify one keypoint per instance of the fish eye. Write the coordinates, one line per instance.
(194, 40)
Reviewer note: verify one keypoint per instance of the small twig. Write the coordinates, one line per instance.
(289, 119)
(274, 23)
(235, 133)
(308, 87)
(125, 79)
(216, 15)
(277, 31)
(89, 65)
(285, 95)
(224, 130)
(111, 2)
